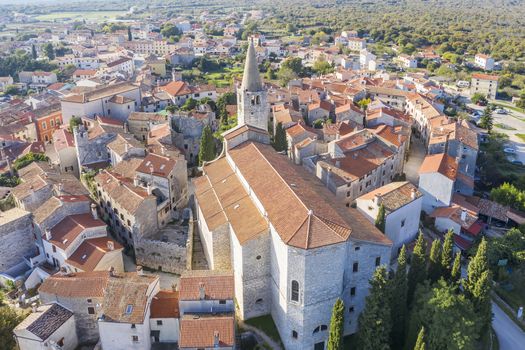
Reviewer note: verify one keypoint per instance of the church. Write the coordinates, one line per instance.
(293, 248)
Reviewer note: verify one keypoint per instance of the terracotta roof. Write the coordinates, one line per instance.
(482, 76)
(165, 305)
(144, 116)
(119, 61)
(493, 209)
(394, 195)
(122, 191)
(76, 285)
(157, 165)
(72, 226)
(62, 139)
(79, 72)
(218, 285)
(119, 99)
(100, 92)
(89, 254)
(306, 215)
(200, 331)
(125, 290)
(441, 163)
(177, 88)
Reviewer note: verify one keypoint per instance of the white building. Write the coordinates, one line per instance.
(50, 327)
(437, 176)
(356, 44)
(484, 62)
(402, 202)
(407, 61)
(484, 84)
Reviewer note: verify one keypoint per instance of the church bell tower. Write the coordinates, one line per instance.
(252, 98)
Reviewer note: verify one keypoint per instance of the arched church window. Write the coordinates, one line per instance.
(258, 100)
(295, 291)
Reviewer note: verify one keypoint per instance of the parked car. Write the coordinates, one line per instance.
(517, 162)
(509, 150)
(501, 111)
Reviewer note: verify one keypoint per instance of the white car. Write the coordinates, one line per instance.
(509, 150)
(501, 111)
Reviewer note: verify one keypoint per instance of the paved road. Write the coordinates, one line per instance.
(416, 156)
(510, 336)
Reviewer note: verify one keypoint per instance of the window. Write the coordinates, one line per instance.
(403, 223)
(44, 126)
(357, 248)
(351, 309)
(378, 261)
(324, 327)
(258, 257)
(258, 301)
(91, 310)
(294, 334)
(355, 268)
(129, 309)
(295, 291)
(352, 291)
(89, 301)
(159, 322)
(135, 338)
(54, 249)
(222, 302)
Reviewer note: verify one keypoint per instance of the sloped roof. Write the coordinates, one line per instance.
(218, 285)
(46, 321)
(251, 80)
(199, 331)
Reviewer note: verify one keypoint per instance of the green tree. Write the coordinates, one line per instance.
(73, 122)
(189, 104)
(9, 319)
(130, 36)
(420, 342)
(418, 266)
(478, 284)
(455, 273)
(322, 66)
(33, 52)
(434, 263)
(478, 98)
(28, 159)
(380, 219)
(437, 308)
(207, 149)
(285, 75)
(295, 64)
(398, 301)
(447, 254)
(279, 141)
(49, 51)
(487, 120)
(335, 337)
(374, 321)
(11, 90)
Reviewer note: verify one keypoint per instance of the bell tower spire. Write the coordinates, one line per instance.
(252, 103)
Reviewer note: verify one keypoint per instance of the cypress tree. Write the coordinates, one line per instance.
(477, 265)
(482, 301)
(418, 266)
(33, 52)
(434, 264)
(455, 274)
(398, 294)
(335, 338)
(380, 219)
(207, 146)
(374, 321)
(447, 254)
(130, 37)
(279, 141)
(420, 343)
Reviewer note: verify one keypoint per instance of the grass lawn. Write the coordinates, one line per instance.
(89, 15)
(266, 324)
(521, 136)
(504, 126)
(224, 77)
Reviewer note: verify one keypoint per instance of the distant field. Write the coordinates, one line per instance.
(88, 15)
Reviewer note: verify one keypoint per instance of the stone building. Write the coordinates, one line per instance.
(16, 238)
(278, 228)
(140, 123)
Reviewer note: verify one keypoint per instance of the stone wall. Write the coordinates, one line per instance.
(16, 239)
(158, 255)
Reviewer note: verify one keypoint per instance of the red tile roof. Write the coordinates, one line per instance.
(65, 232)
(201, 331)
(218, 285)
(165, 305)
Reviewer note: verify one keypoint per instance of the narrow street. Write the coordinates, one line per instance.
(510, 336)
(416, 156)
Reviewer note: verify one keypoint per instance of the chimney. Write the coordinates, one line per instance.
(34, 307)
(126, 129)
(126, 147)
(463, 215)
(378, 199)
(60, 188)
(216, 339)
(48, 234)
(136, 181)
(140, 271)
(111, 271)
(413, 194)
(150, 189)
(110, 245)
(202, 292)
(94, 212)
